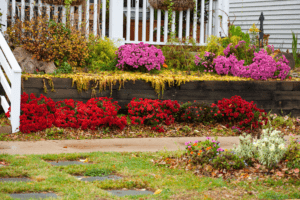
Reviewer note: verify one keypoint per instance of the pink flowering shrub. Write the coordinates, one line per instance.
(206, 64)
(241, 51)
(142, 56)
(230, 65)
(263, 66)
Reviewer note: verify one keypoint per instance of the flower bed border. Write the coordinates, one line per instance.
(275, 95)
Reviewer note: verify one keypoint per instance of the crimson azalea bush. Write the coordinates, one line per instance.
(140, 56)
(245, 114)
(199, 112)
(152, 112)
(101, 112)
(38, 114)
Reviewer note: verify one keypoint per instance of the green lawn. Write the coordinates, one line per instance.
(137, 171)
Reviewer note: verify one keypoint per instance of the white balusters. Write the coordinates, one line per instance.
(151, 24)
(173, 21)
(95, 16)
(144, 21)
(87, 18)
(103, 17)
(158, 25)
(79, 17)
(180, 24)
(187, 28)
(31, 9)
(166, 27)
(22, 10)
(71, 15)
(136, 28)
(202, 23)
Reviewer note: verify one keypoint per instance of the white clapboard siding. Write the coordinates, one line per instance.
(281, 18)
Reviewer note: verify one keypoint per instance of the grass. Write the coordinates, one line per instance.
(138, 172)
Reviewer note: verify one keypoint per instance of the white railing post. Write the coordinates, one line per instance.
(3, 10)
(218, 20)
(103, 18)
(210, 18)
(137, 21)
(13, 72)
(87, 18)
(15, 100)
(144, 21)
(225, 17)
(116, 21)
(95, 16)
(151, 23)
(202, 23)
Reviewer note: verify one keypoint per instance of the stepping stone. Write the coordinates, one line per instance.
(34, 195)
(15, 180)
(99, 178)
(121, 193)
(61, 163)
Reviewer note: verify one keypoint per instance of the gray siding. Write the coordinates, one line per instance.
(281, 18)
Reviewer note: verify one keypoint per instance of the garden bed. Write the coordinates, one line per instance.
(268, 95)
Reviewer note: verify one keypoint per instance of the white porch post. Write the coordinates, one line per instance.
(116, 22)
(15, 101)
(3, 10)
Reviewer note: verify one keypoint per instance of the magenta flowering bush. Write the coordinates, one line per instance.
(142, 56)
(263, 66)
(241, 51)
(206, 64)
(230, 65)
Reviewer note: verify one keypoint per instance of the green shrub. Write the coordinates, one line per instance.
(102, 53)
(64, 68)
(214, 45)
(178, 56)
(292, 155)
(236, 31)
(228, 161)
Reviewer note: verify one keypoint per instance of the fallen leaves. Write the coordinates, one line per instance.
(257, 172)
(158, 191)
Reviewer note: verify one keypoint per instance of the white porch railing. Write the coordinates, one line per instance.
(13, 72)
(217, 19)
(218, 12)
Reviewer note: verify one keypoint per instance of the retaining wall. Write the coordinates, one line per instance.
(267, 95)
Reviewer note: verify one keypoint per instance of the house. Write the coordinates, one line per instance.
(281, 17)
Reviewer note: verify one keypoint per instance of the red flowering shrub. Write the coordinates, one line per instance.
(101, 112)
(40, 113)
(247, 115)
(152, 112)
(36, 113)
(199, 112)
